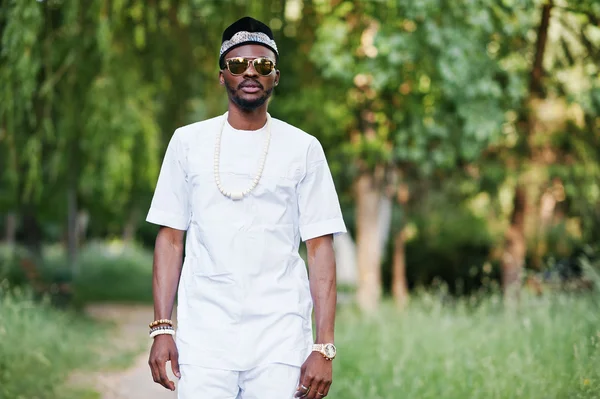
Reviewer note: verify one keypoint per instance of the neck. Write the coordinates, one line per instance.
(247, 119)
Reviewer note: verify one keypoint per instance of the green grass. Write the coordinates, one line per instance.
(40, 345)
(549, 348)
(438, 348)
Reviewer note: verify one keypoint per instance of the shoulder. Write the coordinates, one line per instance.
(189, 133)
(301, 140)
(299, 146)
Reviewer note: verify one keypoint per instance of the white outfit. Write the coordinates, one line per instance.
(273, 381)
(244, 298)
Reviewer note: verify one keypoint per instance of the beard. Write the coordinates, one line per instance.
(247, 105)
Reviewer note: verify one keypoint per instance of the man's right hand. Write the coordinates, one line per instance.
(163, 350)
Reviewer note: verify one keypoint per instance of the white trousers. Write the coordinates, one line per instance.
(272, 381)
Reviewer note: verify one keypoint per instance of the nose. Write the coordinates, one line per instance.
(250, 71)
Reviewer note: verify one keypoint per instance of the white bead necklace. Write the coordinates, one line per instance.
(238, 195)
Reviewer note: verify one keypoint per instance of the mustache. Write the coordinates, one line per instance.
(250, 82)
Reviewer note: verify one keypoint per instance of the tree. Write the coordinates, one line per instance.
(536, 151)
(425, 102)
(74, 112)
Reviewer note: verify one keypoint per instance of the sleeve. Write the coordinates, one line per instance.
(319, 207)
(170, 203)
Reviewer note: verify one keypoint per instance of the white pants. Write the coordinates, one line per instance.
(272, 381)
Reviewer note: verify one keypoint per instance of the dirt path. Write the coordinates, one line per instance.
(134, 382)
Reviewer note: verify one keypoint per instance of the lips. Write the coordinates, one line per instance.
(250, 87)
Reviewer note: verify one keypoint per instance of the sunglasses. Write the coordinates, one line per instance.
(237, 66)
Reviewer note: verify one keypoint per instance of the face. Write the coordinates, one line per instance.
(249, 90)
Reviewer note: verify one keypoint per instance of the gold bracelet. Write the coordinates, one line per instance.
(161, 321)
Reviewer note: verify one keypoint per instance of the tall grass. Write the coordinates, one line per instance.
(549, 348)
(40, 345)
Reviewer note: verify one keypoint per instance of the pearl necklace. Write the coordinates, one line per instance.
(238, 195)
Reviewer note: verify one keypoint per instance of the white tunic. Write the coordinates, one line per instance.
(243, 297)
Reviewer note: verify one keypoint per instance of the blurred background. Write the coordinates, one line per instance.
(464, 140)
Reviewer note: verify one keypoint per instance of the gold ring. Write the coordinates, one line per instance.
(320, 394)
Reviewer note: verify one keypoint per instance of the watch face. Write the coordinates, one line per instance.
(329, 351)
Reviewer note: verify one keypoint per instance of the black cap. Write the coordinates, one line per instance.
(263, 36)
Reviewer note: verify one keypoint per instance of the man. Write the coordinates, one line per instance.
(247, 188)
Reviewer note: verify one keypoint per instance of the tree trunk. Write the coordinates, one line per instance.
(130, 227)
(32, 232)
(345, 260)
(399, 283)
(83, 221)
(72, 233)
(368, 242)
(515, 245)
(32, 240)
(545, 213)
(385, 221)
(10, 231)
(537, 72)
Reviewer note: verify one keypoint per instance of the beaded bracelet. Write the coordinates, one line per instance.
(160, 328)
(160, 332)
(161, 321)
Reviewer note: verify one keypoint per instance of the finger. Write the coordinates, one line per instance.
(153, 369)
(175, 363)
(320, 389)
(302, 392)
(306, 388)
(162, 374)
(300, 389)
(315, 387)
(325, 390)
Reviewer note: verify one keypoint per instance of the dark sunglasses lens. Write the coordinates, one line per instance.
(237, 67)
(264, 66)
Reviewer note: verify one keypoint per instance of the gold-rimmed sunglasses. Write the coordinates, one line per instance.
(238, 65)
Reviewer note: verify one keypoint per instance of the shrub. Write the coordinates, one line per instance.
(107, 272)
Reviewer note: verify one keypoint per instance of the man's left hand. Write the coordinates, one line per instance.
(315, 377)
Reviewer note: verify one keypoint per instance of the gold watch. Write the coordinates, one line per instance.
(327, 350)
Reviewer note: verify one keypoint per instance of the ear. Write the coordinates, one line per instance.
(221, 78)
(276, 78)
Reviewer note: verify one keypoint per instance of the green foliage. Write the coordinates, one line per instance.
(432, 98)
(9, 266)
(90, 95)
(40, 345)
(108, 272)
(20, 62)
(450, 245)
(550, 349)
